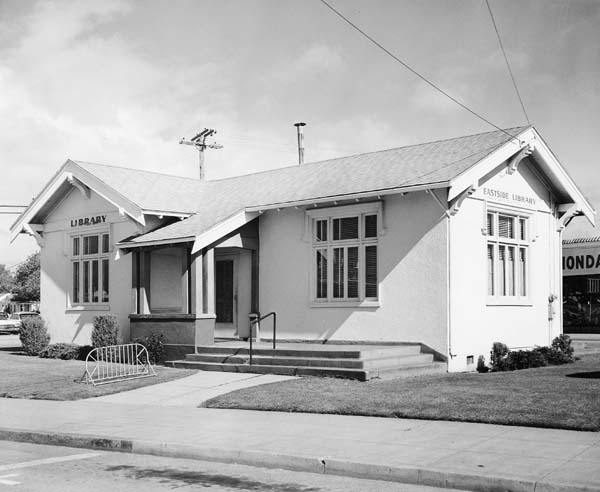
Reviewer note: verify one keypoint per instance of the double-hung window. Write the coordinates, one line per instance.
(344, 243)
(508, 249)
(90, 268)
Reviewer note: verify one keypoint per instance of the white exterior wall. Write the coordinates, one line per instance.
(73, 324)
(411, 275)
(475, 322)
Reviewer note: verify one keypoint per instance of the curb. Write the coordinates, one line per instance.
(322, 465)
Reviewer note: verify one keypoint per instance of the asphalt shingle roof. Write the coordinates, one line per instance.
(211, 202)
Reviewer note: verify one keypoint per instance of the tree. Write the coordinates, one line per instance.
(6, 280)
(26, 285)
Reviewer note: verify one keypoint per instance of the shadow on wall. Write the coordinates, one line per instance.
(408, 220)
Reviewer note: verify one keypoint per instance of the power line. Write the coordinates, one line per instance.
(405, 65)
(507, 64)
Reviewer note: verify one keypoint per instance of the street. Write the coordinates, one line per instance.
(32, 467)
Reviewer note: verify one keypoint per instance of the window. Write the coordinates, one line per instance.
(507, 255)
(90, 268)
(345, 253)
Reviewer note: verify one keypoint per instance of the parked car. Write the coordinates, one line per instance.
(12, 324)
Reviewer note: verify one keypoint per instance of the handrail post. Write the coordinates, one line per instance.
(274, 328)
(251, 325)
(256, 318)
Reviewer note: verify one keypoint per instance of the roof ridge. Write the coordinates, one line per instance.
(505, 130)
(137, 170)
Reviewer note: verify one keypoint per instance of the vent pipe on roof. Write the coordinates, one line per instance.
(300, 142)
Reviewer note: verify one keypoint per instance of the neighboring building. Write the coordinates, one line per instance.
(581, 285)
(453, 244)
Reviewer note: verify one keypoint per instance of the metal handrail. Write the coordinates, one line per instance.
(258, 320)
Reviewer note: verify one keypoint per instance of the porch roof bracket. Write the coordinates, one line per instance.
(513, 162)
(438, 201)
(35, 230)
(83, 189)
(458, 201)
(569, 211)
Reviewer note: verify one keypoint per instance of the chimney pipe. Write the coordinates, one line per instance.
(300, 142)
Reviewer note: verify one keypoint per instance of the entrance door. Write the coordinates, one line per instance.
(225, 297)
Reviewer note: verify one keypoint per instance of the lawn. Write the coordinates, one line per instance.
(24, 376)
(543, 397)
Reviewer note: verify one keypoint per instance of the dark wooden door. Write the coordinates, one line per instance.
(224, 291)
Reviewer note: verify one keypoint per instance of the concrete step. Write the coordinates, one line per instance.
(321, 350)
(582, 347)
(359, 374)
(368, 364)
(409, 371)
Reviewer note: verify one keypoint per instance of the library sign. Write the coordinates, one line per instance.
(508, 197)
(581, 261)
(88, 221)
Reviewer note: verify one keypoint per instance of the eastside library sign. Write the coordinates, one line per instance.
(508, 197)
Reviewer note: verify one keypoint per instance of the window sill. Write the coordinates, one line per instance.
(508, 302)
(346, 304)
(90, 307)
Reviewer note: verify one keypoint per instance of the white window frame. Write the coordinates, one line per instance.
(80, 258)
(499, 297)
(329, 214)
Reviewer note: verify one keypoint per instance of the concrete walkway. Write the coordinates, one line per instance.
(192, 390)
(448, 454)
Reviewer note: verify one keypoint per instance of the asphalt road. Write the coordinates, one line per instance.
(32, 467)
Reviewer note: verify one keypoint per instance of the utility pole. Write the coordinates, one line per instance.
(199, 141)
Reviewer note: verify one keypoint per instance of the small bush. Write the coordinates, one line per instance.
(563, 349)
(481, 367)
(84, 350)
(523, 359)
(106, 329)
(64, 351)
(503, 359)
(33, 335)
(154, 344)
(498, 356)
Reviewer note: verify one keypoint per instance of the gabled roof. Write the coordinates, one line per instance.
(455, 164)
(429, 165)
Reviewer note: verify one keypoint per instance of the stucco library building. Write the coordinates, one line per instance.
(452, 245)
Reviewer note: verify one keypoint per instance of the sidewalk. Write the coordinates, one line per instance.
(449, 454)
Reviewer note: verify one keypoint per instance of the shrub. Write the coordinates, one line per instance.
(498, 356)
(154, 344)
(33, 335)
(522, 359)
(64, 351)
(563, 349)
(84, 350)
(481, 367)
(106, 328)
(503, 359)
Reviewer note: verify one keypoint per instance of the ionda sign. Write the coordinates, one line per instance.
(581, 261)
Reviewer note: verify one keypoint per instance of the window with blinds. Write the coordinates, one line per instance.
(90, 269)
(345, 257)
(507, 255)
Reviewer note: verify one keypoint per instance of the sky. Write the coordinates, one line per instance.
(122, 81)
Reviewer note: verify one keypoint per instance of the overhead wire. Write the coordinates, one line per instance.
(507, 64)
(412, 70)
